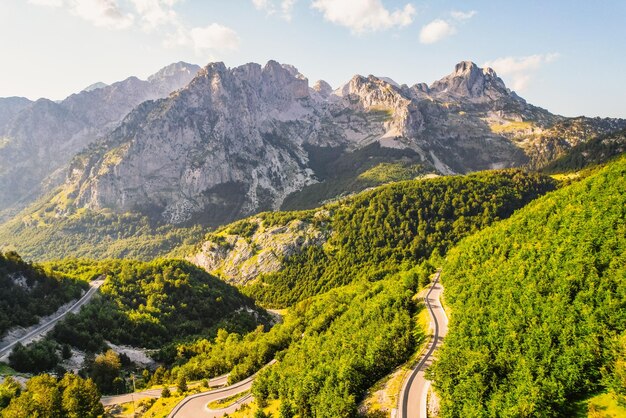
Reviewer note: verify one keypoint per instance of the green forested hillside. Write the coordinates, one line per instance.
(538, 302)
(28, 291)
(376, 232)
(39, 234)
(330, 348)
(149, 304)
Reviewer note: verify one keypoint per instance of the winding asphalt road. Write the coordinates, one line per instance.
(48, 325)
(412, 400)
(195, 406)
(153, 393)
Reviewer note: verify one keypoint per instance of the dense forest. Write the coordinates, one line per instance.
(538, 305)
(149, 304)
(376, 232)
(28, 291)
(330, 348)
(47, 396)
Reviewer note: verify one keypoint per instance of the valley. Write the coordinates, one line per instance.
(239, 235)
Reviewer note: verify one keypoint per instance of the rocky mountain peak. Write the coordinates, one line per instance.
(322, 88)
(175, 70)
(470, 82)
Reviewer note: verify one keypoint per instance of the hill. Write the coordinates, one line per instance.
(538, 303)
(150, 304)
(39, 234)
(287, 256)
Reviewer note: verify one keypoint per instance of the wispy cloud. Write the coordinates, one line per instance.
(101, 13)
(149, 15)
(211, 38)
(521, 70)
(281, 8)
(364, 15)
(440, 29)
(459, 15)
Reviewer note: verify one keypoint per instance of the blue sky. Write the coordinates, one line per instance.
(566, 56)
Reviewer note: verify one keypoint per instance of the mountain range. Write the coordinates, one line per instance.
(211, 145)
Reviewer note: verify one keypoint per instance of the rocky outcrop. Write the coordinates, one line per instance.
(241, 259)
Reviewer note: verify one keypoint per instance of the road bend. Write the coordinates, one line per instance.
(195, 406)
(412, 400)
(154, 393)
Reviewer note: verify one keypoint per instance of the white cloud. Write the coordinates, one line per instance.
(435, 31)
(103, 13)
(520, 70)
(458, 15)
(154, 13)
(364, 15)
(281, 8)
(440, 29)
(212, 38)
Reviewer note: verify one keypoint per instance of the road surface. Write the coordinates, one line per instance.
(412, 400)
(195, 406)
(49, 324)
(153, 393)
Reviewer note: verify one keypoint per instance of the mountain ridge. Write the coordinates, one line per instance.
(217, 129)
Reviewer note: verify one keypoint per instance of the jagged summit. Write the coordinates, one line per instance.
(468, 81)
(234, 141)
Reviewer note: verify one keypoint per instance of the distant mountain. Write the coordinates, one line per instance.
(9, 108)
(42, 136)
(95, 86)
(241, 140)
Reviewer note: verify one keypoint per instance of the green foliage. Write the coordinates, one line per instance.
(9, 389)
(330, 348)
(389, 172)
(154, 303)
(165, 393)
(356, 335)
(45, 396)
(614, 373)
(37, 357)
(535, 300)
(181, 384)
(341, 172)
(104, 371)
(28, 291)
(376, 232)
(95, 235)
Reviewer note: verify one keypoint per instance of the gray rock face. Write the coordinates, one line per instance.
(240, 259)
(237, 141)
(468, 82)
(42, 137)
